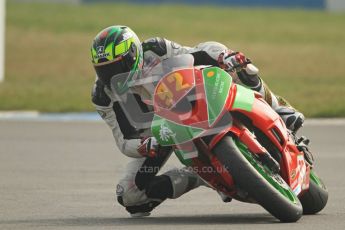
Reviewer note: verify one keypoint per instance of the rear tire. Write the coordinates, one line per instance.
(286, 208)
(315, 199)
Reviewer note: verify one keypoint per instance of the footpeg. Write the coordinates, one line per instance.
(303, 140)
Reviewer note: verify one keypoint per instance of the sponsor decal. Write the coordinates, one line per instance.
(165, 133)
(299, 175)
(100, 49)
(293, 174)
(101, 53)
(217, 85)
(210, 74)
(169, 132)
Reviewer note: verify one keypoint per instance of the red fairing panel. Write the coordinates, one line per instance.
(294, 170)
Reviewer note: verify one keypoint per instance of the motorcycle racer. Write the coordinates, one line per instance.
(117, 49)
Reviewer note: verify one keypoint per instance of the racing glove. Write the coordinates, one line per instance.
(232, 61)
(149, 147)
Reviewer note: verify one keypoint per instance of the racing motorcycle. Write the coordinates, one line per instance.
(232, 138)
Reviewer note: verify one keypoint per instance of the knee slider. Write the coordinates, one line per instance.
(147, 207)
(120, 200)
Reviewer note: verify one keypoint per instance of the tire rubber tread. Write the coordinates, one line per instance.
(314, 200)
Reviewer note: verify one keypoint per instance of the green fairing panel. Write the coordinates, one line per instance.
(217, 84)
(183, 157)
(244, 99)
(170, 133)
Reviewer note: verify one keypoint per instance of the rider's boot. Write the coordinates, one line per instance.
(293, 119)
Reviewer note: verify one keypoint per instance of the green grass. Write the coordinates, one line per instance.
(300, 53)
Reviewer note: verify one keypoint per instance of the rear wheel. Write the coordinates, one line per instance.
(249, 174)
(315, 199)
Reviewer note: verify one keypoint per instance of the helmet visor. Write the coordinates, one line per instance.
(106, 71)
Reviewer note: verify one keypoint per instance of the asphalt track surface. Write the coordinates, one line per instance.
(62, 175)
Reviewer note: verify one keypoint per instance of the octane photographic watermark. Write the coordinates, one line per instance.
(192, 169)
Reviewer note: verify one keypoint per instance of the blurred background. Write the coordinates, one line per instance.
(299, 46)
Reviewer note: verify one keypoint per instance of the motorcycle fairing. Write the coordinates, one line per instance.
(217, 84)
(293, 167)
(210, 91)
(244, 99)
(171, 133)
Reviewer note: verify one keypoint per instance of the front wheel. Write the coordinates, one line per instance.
(249, 174)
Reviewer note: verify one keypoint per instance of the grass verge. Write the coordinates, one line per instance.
(300, 53)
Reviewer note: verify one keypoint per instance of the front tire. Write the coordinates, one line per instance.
(269, 190)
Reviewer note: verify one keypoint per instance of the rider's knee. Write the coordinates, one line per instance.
(159, 187)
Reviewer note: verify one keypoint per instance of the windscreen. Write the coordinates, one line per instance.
(137, 100)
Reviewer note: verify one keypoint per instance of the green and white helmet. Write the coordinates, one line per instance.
(116, 50)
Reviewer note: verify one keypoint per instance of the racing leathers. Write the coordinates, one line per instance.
(140, 190)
